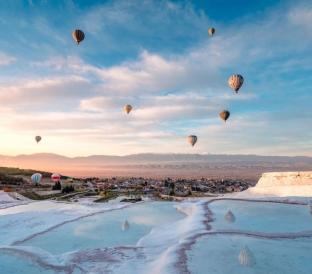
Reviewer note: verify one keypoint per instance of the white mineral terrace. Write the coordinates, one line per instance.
(286, 179)
(281, 184)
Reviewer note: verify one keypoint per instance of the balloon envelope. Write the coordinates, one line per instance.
(38, 139)
(70, 179)
(78, 35)
(192, 139)
(236, 81)
(36, 177)
(55, 177)
(211, 31)
(224, 114)
(127, 108)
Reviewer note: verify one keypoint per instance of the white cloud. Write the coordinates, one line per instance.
(301, 16)
(5, 59)
(43, 92)
(173, 93)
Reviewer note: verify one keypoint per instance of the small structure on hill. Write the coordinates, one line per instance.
(247, 258)
(125, 226)
(229, 217)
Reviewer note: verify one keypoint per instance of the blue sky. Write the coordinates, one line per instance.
(158, 57)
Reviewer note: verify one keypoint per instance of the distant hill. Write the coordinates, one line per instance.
(151, 158)
(159, 165)
(26, 172)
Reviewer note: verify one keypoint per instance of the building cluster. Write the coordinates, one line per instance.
(171, 186)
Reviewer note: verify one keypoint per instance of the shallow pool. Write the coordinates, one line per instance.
(221, 253)
(261, 216)
(13, 263)
(105, 229)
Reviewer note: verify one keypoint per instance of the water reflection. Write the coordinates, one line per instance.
(229, 217)
(125, 226)
(246, 257)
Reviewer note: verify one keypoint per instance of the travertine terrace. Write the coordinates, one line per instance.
(281, 184)
(285, 179)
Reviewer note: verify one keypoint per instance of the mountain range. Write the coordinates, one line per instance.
(159, 165)
(152, 158)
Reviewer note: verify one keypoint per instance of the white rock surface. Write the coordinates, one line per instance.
(8, 197)
(280, 184)
(286, 179)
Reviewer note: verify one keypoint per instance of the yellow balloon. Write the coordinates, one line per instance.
(224, 114)
(211, 31)
(127, 108)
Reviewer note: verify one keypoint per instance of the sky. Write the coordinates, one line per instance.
(158, 57)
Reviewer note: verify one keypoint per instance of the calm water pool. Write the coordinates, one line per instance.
(105, 229)
(13, 263)
(287, 256)
(259, 216)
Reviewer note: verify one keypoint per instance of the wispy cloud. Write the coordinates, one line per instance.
(5, 59)
(172, 73)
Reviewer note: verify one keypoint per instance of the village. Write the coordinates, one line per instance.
(63, 188)
(168, 186)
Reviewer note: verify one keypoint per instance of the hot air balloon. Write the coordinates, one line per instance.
(78, 35)
(36, 178)
(224, 114)
(38, 139)
(192, 139)
(55, 177)
(127, 108)
(125, 226)
(211, 31)
(247, 258)
(236, 81)
(70, 179)
(229, 217)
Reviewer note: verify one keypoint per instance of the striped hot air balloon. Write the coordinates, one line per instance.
(55, 177)
(78, 35)
(236, 81)
(192, 139)
(224, 114)
(36, 178)
(70, 179)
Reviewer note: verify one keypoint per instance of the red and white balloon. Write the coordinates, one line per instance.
(55, 177)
